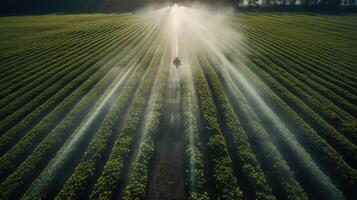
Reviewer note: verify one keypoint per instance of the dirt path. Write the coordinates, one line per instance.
(167, 180)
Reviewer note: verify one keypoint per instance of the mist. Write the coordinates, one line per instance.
(195, 31)
(199, 31)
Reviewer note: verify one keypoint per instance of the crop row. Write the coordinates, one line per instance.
(311, 24)
(335, 94)
(316, 182)
(69, 139)
(195, 180)
(73, 41)
(138, 176)
(320, 49)
(44, 47)
(340, 88)
(40, 130)
(316, 119)
(117, 164)
(341, 120)
(8, 121)
(82, 139)
(238, 143)
(43, 57)
(326, 23)
(335, 167)
(314, 65)
(59, 70)
(69, 156)
(338, 31)
(326, 73)
(330, 31)
(28, 170)
(278, 173)
(32, 71)
(53, 141)
(312, 53)
(321, 64)
(225, 182)
(28, 51)
(62, 68)
(82, 179)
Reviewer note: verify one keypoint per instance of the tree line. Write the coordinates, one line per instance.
(302, 3)
(33, 6)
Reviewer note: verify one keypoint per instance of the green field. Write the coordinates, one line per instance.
(264, 106)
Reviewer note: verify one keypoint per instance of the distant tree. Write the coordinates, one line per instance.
(306, 3)
(252, 2)
(267, 2)
(239, 2)
(352, 2)
(334, 3)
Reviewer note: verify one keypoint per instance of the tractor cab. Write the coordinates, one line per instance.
(176, 62)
